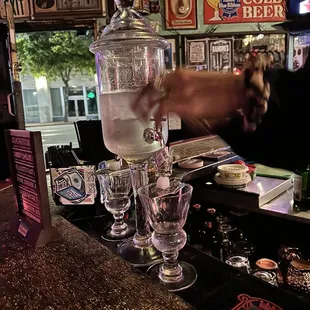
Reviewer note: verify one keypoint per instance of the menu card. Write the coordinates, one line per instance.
(33, 221)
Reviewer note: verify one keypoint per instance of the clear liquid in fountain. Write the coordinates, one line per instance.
(123, 132)
(130, 55)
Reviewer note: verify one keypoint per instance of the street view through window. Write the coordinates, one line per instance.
(58, 82)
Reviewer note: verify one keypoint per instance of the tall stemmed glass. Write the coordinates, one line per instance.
(167, 210)
(116, 186)
(130, 55)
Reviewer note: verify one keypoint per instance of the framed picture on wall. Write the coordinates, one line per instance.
(220, 52)
(181, 14)
(194, 52)
(172, 53)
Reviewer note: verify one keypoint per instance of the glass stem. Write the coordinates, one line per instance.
(171, 271)
(139, 177)
(119, 225)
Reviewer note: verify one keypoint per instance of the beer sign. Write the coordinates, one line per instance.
(243, 11)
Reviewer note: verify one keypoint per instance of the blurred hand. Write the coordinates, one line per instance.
(192, 94)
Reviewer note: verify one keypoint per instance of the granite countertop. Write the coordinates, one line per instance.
(75, 272)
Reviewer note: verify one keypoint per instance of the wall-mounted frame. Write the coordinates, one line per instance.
(194, 51)
(181, 16)
(194, 58)
(58, 9)
(225, 12)
(220, 53)
(172, 54)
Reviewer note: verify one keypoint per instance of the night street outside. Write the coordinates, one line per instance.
(61, 134)
(56, 134)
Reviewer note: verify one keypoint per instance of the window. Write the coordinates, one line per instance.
(76, 91)
(92, 100)
(56, 102)
(31, 107)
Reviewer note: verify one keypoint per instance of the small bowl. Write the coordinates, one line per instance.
(233, 171)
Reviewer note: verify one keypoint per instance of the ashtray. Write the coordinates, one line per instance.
(233, 172)
(232, 183)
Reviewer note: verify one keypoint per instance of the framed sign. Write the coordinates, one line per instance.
(33, 220)
(172, 57)
(196, 52)
(181, 14)
(243, 11)
(20, 8)
(220, 55)
(60, 8)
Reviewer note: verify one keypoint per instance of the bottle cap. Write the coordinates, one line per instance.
(196, 206)
(211, 210)
(267, 264)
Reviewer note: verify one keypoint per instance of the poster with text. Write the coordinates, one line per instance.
(243, 11)
(220, 55)
(196, 53)
(180, 14)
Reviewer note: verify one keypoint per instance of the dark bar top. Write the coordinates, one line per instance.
(79, 272)
(75, 272)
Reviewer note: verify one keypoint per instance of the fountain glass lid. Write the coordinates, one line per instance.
(127, 25)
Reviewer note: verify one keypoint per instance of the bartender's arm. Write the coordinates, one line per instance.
(274, 127)
(282, 137)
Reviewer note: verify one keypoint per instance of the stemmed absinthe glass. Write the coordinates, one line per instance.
(167, 211)
(116, 186)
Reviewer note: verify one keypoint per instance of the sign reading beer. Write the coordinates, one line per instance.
(243, 11)
(33, 221)
(220, 55)
(180, 14)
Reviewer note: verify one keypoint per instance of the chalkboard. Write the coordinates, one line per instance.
(33, 220)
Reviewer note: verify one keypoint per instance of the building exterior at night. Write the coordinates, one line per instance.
(44, 100)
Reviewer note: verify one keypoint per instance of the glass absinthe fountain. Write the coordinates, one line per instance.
(130, 55)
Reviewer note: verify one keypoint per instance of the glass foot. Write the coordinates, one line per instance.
(108, 235)
(188, 279)
(138, 256)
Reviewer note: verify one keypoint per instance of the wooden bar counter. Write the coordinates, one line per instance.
(75, 272)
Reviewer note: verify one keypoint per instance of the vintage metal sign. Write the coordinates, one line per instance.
(180, 14)
(89, 8)
(243, 11)
(20, 8)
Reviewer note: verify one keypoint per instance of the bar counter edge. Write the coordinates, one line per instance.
(75, 272)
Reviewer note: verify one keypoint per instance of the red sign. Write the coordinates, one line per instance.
(180, 14)
(243, 11)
